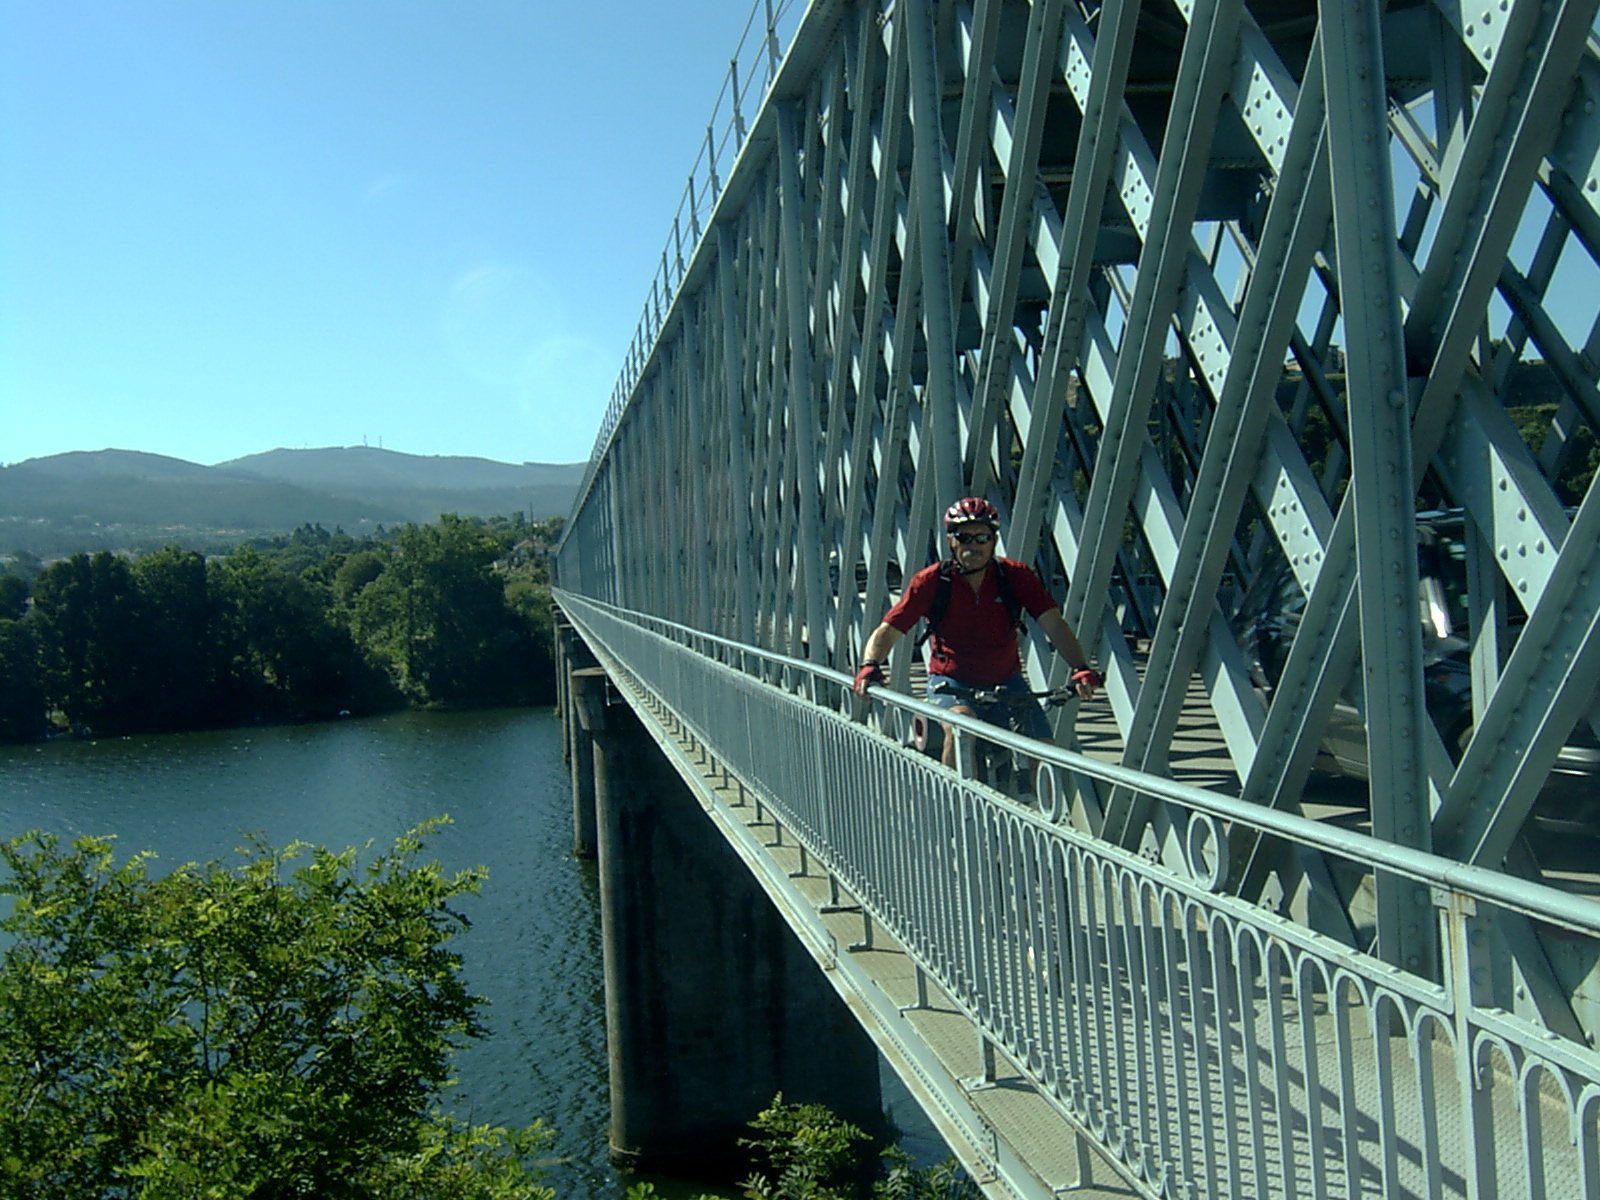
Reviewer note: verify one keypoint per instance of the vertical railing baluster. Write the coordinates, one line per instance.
(1306, 980)
(1276, 975)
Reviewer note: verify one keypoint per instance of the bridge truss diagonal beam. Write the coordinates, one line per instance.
(1270, 327)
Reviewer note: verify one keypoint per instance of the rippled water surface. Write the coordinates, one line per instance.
(534, 948)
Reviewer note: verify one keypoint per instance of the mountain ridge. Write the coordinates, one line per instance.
(370, 466)
(133, 500)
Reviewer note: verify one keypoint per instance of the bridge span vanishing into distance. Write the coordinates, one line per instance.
(1271, 329)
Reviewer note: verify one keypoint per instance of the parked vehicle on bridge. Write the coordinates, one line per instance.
(1269, 615)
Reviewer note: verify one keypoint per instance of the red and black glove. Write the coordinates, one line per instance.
(868, 672)
(1089, 676)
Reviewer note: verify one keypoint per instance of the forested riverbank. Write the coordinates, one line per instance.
(308, 626)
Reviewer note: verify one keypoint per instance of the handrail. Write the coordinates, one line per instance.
(1194, 1035)
(1579, 914)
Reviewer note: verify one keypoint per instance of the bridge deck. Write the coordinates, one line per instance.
(1028, 1126)
(1564, 857)
(936, 1049)
(1198, 754)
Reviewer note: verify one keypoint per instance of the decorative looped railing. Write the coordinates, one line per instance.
(1213, 1047)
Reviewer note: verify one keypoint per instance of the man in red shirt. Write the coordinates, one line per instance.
(974, 644)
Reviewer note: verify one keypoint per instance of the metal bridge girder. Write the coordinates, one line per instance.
(1207, 325)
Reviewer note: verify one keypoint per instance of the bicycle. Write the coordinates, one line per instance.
(1003, 707)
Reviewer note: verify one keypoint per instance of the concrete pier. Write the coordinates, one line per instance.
(588, 685)
(576, 671)
(712, 1005)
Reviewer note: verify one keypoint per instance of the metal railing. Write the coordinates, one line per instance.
(1214, 1048)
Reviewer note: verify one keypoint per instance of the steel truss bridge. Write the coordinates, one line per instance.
(1212, 299)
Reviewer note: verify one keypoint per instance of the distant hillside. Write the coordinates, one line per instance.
(421, 486)
(362, 467)
(120, 499)
(131, 464)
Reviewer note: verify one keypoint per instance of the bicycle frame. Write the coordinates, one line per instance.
(996, 706)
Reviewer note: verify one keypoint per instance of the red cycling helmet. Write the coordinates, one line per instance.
(971, 508)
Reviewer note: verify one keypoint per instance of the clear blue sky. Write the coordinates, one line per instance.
(232, 225)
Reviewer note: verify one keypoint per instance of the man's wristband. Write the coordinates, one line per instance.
(870, 671)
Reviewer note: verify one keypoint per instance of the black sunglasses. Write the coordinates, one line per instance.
(967, 539)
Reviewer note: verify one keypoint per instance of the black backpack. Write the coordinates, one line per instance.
(941, 598)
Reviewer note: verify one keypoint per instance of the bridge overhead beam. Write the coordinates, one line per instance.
(1211, 299)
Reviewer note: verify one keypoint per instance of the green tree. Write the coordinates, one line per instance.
(810, 1153)
(276, 1029)
(811, 1150)
(22, 703)
(90, 622)
(1580, 456)
(438, 616)
(295, 659)
(22, 708)
(807, 1152)
(529, 597)
(13, 597)
(354, 572)
(308, 624)
(187, 675)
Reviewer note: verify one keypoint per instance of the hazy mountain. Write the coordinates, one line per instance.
(365, 468)
(120, 499)
(131, 464)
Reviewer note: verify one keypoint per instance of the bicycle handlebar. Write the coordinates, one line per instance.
(999, 695)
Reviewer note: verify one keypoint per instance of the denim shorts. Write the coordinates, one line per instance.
(1021, 716)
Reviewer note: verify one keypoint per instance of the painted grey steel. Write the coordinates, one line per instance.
(1212, 1047)
(1382, 488)
(1194, 292)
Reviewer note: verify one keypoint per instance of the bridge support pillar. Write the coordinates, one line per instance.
(584, 685)
(563, 636)
(713, 1006)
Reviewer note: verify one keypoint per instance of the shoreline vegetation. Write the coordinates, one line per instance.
(312, 625)
(284, 1023)
(338, 1088)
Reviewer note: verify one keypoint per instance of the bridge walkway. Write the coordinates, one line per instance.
(1250, 1033)
(934, 1046)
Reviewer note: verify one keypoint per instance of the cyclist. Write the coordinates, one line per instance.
(973, 603)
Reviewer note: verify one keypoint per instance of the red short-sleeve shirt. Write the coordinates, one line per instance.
(975, 642)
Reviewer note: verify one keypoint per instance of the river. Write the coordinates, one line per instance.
(534, 947)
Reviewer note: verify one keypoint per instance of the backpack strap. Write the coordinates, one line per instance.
(941, 602)
(941, 598)
(1007, 596)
